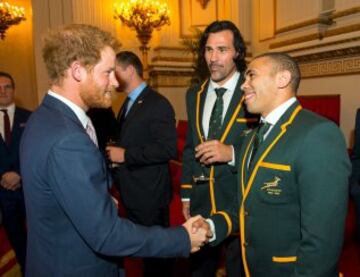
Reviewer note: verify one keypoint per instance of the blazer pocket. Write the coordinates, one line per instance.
(274, 183)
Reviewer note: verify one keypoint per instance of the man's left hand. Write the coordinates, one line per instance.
(213, 151)
(115, 154)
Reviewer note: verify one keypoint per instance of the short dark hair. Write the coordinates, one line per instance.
(7, 75)
(284, 61)
(126, 58)
(239, 44)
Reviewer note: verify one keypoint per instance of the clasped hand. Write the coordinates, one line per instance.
(199, 232)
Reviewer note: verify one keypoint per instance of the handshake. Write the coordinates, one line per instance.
(199, 232)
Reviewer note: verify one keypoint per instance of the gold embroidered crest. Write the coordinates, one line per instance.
(272, 187)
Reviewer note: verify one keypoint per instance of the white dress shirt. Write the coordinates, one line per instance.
(11, 111)
(210, 99)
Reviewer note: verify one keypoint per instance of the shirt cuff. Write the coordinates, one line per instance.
(212, 228)
(185, 199)
(232, 162)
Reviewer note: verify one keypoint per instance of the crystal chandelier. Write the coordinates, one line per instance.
(9, 15)
(144, 16)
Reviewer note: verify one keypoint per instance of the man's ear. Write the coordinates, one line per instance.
(77, 71)
(283, 79)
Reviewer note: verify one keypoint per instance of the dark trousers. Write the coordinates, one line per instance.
(13, 211)
(159, 267)
(206, 262)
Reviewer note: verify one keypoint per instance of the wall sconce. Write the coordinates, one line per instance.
(144, 16)
(9, 15)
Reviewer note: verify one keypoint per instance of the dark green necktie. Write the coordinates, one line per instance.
(258, 139)
(216, 115)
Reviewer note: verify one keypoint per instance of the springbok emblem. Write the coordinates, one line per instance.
(271, 184)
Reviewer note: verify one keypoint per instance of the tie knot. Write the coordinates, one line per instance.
(220, 91)
(4, 111)
(263, 128)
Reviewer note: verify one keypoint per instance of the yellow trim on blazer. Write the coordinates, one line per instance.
(231, 121)
(290, 259)
(246, 190)
(222, 139)
(211, 190)
(246, 120)
(227, 219)
(197, 119)
(186, 186)
(284, 167)
(212, 169)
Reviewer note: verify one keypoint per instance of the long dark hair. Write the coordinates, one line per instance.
(239, 44)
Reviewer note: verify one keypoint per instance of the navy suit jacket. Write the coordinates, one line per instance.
(149, 136)
(73, 227)
(9, 155)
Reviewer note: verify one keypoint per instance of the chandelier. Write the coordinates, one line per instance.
(144, 16)
(9, 15)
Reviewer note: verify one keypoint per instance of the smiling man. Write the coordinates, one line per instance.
(293, 179)
(216, 120)
(73, 224)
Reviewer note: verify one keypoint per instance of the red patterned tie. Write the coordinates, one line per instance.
(7, 128)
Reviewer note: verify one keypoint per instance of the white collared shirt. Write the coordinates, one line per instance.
(79, 112)
(210, 99)
(274, 116)
(11, 112)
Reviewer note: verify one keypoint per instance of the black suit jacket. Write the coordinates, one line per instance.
(148, 135)
(9, 155)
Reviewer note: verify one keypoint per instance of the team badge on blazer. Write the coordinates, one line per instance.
(272, 187)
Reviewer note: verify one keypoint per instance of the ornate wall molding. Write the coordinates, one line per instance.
(318, 35)
(330, 63)
(320, 20)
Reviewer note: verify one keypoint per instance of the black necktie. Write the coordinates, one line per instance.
(7, 128)
(122, 113)
(216, 115)
(258, 139)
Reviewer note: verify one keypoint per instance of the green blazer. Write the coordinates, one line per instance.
(212, 197)
(292, 204)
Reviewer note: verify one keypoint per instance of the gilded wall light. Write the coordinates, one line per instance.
(144, 16)
(9, 15)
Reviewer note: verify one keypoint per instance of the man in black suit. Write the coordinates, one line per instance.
(145, 143)
(12, 123)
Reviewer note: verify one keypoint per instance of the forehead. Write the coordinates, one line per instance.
(5, 80)
(107, 57)
(260, 64)
(225, 37)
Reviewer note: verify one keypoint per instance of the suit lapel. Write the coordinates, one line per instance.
(280, 128)
(233, 110)
(139, 101)
(200, 102)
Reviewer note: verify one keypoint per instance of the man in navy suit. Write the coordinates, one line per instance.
(145, 143)
(12, 123)
(73, 227)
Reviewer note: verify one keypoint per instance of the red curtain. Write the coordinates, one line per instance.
(326, 105)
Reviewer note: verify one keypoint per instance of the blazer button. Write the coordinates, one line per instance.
(245, 244)
(246, 213)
